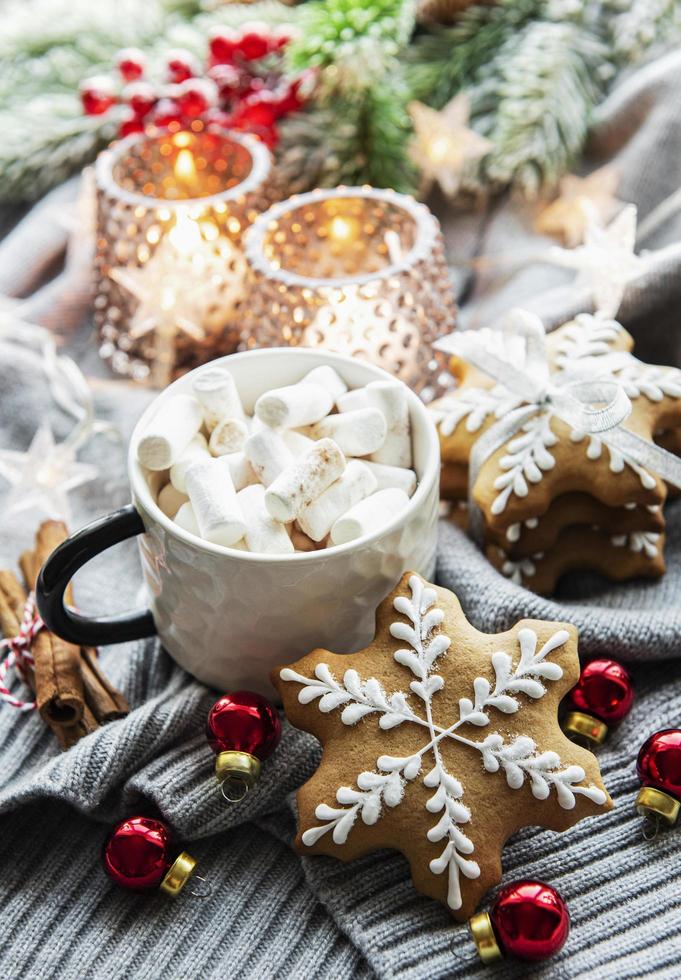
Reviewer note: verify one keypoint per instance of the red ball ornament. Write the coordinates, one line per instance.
(139, 855)
(97, 95)
(659, 769)
(167, 114)
(131, 63)
(529, 920)
(602, 696)
(243, 729)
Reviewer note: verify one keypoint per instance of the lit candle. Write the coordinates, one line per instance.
(356, 270)
(171, 211)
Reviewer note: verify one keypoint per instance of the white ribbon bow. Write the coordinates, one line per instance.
(587, 398)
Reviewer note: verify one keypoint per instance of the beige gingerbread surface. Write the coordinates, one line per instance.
(440, 741)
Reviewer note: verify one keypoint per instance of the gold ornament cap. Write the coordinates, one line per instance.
(236, 773)
(652, 802)
(482, 931)
(584, 729)
(178, 874)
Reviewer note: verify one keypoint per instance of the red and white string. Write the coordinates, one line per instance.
(19, 653)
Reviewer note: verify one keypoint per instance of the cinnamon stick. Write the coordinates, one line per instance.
(60, 694)
(105, 702)
(12, 602)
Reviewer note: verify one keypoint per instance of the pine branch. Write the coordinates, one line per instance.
(632, 28)
(442, 62)
(353, 44)
(534, 102)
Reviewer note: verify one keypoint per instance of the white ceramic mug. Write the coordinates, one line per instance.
(229, 616)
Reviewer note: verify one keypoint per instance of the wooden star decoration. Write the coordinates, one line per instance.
(42, 477)
(444, 145)
(606, 262)
(580, 200)
(440, 742)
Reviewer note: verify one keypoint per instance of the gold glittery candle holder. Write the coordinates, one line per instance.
(355, 270)
(169, 264)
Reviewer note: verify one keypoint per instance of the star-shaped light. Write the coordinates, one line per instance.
(579, 199)
(189, 285)
(606, 262)
(42, 477)
(444, 145)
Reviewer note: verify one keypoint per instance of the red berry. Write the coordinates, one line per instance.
(229, 80)
(659, 762)
(530, 920)
(181, 65)
(604, 690)
(279, 38)
(167, 113)
(131, 124)
(141, 97)
(254, 42)
(222, 46)
(137, 853)
(131, 63)
(196, 96)
(243, 722)
(97, 95)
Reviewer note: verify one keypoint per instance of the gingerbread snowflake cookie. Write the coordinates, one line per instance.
(439, 741)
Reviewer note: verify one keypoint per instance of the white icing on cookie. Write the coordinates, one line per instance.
(425, 645)
(640, 542)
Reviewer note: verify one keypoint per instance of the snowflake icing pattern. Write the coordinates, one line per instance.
(520, 759)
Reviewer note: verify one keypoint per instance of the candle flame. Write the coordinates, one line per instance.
(343, 229)
(185, 168)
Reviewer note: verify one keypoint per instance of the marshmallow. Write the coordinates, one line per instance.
(392, 476)
(304, 480)
(390, 398)
(217, 392)
(297, 442)
(356, 483)
(357, 433)
(352, 400)
(328, 378)
(268, 454)
(294, 405)
(228, 436)
(214, 499)
(241, 471)
(370, 514)
(186, 519)
(170, 432)
(263, 535)
(197, 449)
(170, 500)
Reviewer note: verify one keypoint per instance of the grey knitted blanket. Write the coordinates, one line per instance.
(272, 913)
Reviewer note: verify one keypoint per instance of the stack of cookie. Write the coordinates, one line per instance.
(553, 499)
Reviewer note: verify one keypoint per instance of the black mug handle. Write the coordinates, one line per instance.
(63, 564)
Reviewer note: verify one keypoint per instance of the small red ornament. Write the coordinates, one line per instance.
(602, 696)
(243, 729)
(131, 63)
(659, 769)
(529, 920)
(181, 65)
(138, 855)
(230, 81)
(97, 95)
